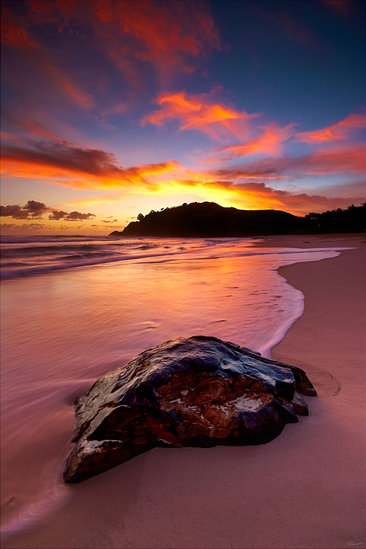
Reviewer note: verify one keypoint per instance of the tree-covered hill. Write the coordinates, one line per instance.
(211, 220)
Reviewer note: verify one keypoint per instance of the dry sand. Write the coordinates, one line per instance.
(305, 489)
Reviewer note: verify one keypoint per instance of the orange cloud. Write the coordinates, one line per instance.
(93, 168)
(62, 163)
(246, 195)
(197, 112)
(297, 203)
(270, 142)
(258, 195)
(336, 132)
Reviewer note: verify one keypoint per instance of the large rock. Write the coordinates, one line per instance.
(199, 391)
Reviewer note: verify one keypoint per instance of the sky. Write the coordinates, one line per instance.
(111, 108)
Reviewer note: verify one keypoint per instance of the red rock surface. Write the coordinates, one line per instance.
(198, 391)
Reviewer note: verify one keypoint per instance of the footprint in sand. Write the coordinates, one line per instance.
(324, 382)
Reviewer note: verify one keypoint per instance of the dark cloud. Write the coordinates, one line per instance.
(77, 216)
(57, 214)
(15, 211)
(64, 156)
(32, 210)
(69, 216)
(35, 210)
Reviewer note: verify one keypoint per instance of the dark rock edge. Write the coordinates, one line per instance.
(138, 421)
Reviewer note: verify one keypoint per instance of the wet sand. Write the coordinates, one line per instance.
(305, 489)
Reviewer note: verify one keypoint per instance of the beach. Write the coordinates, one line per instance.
(305, 489)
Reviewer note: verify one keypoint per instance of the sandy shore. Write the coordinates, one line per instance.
(306, 489)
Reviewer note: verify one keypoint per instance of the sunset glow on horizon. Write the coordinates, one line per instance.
(115, 107)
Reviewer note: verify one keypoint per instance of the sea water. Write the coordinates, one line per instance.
(75, 307)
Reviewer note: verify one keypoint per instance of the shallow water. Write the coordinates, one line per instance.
(65, 327)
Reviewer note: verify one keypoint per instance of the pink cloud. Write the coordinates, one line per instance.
(269, 142)
(336, 132)
(341, 160)
(29, 124)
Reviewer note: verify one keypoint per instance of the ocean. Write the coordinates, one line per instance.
(73, 308)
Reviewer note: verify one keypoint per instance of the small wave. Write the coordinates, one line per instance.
(41, 250)
(44, 269)
(17, 273)
(146, 247)
(8, 264)
(86, 256)
(48, 238)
